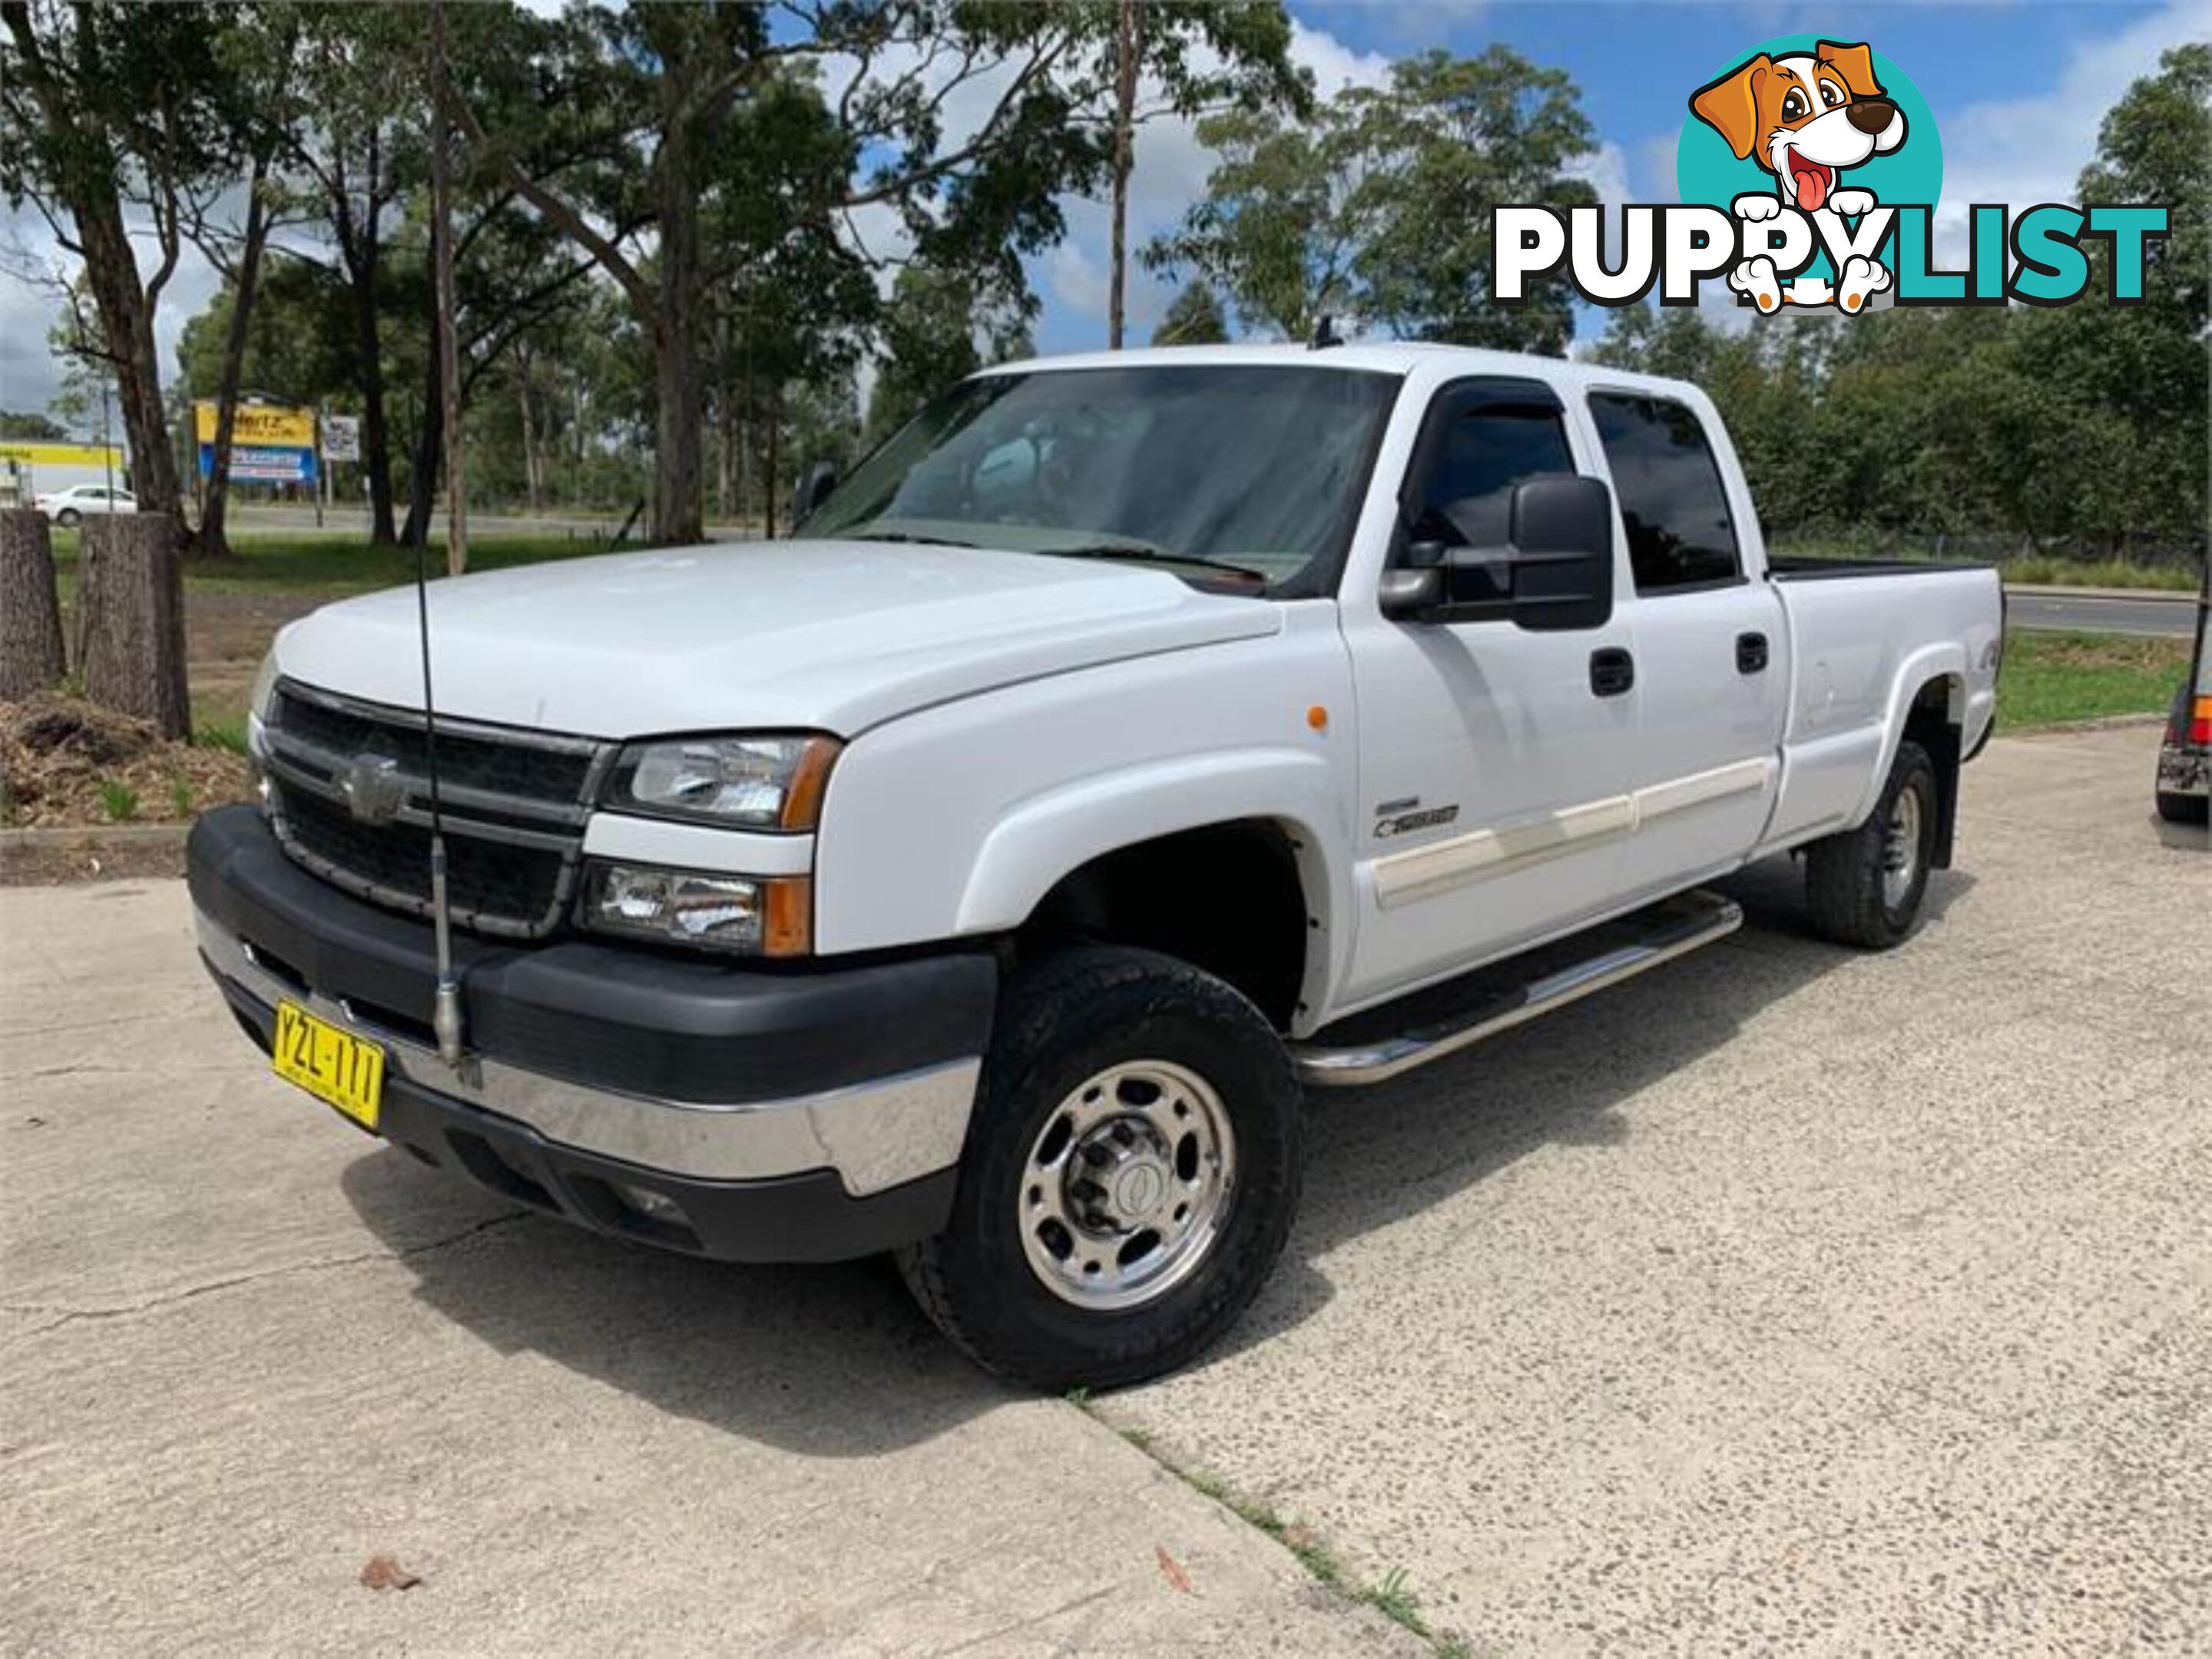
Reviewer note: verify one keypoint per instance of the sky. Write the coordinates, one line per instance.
(2018, 87)
(2018, 91)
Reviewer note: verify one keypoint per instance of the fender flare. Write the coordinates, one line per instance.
(1042, 840)
(1944, 660)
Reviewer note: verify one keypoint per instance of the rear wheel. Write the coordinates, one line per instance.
(1865, 886)
(1132, 1170)
(2176, 808)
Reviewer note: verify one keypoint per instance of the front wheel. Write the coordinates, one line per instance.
(1865, 886)
(69, 518)
(1132, 1169)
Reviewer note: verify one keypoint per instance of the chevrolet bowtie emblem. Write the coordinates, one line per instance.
(374, 791)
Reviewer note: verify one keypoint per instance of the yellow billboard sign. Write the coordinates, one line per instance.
(46, 454)
(268, 426)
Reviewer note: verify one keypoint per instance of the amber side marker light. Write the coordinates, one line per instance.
(810, 780)
(2200, 720)
(1317, 718)
(787, 923)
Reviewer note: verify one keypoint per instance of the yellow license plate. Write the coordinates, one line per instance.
(333, 1064)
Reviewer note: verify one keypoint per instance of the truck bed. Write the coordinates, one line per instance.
(1862, 648)
(1784, 568)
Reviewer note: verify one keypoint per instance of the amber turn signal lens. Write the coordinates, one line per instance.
(788, 927)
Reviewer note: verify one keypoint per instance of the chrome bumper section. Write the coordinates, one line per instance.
(875, 1135)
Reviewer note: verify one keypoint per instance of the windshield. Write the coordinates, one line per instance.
(1242, 477)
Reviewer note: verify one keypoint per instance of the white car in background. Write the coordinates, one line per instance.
(69, 507)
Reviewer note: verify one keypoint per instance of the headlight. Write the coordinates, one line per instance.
(258, 699)
(260, 702)
(748, 782)
(767, 916)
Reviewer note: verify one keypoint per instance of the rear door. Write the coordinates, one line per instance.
(1712, 674)
(1493, 761)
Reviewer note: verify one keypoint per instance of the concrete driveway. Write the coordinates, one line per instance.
(1784, 1299)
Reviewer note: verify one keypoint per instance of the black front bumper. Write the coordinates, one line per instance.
(702, 1057)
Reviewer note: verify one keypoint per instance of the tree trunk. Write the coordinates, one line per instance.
(423, 466)
(441, 245)
(678, 504)
(130, 597)
(767, 489)
(1127, 57)
(30, 606)
(429, 444)
(127, 323)
(532, 487)
(726, 420)
(211, 542)
(363, 251)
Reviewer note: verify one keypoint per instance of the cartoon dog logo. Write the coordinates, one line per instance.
(1805, 116)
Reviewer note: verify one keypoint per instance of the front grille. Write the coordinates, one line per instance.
(349, 801)
(465, 760)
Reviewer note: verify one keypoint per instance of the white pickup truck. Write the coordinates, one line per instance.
(1128, 741)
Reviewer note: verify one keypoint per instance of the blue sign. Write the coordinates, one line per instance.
(259, 463)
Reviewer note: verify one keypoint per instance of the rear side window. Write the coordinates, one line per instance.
(1466, 494)
(1679, 533)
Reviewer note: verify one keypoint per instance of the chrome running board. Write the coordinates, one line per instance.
(1496, 1000)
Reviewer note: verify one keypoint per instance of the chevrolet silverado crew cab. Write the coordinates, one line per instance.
(979, 873)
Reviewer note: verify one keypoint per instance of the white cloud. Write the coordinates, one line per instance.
(31, 303)
(2024, 150)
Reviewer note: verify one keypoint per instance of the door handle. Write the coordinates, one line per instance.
(1751, 653)
(1613, 670)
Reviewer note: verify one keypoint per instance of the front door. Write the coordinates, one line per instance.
(1495, 761)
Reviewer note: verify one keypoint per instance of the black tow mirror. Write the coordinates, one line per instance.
(812, 490)
(1554, 571)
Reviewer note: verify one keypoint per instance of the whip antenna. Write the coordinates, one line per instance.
(445, 1004)
(445, 1007)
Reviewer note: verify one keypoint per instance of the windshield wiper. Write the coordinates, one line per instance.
(1146, 553)
(907, 536)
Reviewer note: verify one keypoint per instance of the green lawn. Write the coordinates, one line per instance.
(2051, 677)
(334, 562)
(2048, 678)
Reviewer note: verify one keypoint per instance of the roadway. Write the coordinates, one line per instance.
(2102, 612)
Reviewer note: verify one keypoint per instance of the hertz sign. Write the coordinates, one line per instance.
(269, 443)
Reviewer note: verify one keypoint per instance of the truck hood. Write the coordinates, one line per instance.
(827, 635)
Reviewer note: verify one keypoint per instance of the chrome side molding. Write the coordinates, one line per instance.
(1668, 929)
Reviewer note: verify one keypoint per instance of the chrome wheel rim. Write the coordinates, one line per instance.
(1901, 850)
(1126, 1187)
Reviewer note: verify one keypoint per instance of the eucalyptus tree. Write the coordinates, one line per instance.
(1195, 317)
(109, 119)
(956, 120)
(1378, 208)
(258, 49)
(1185, 57)
(356, 158)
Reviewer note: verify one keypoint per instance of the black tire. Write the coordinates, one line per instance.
(1063, 1021)
(69, 518)
(2176, 808)
(1844, 873)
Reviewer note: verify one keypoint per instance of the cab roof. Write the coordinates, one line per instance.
(1395, 357)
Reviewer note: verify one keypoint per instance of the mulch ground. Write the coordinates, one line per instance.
(68, 764)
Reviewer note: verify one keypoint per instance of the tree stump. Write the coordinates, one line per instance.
(30, 606)
(131, 619)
